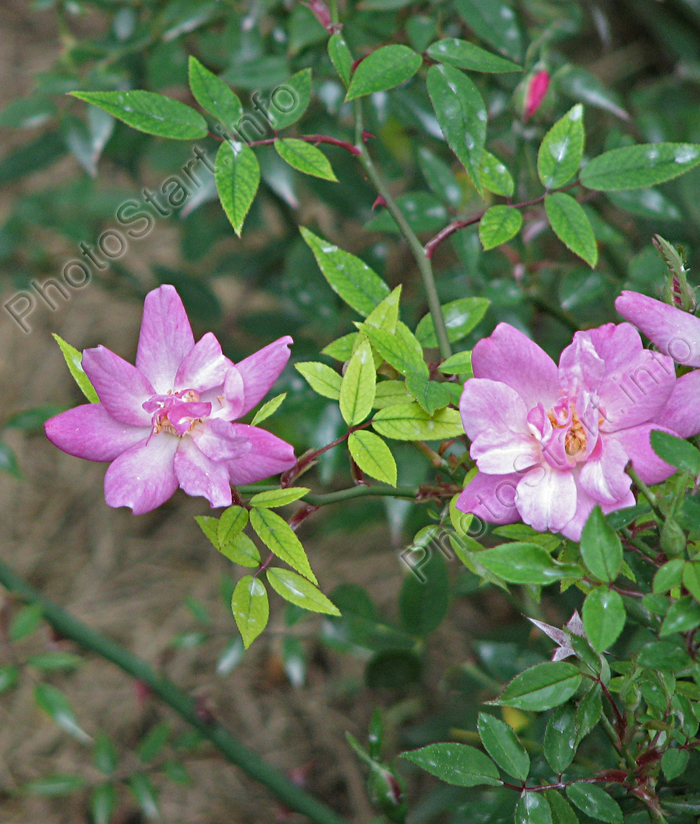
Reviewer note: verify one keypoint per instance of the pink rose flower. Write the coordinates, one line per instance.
(536, 91)
(167, 422)
(552, 442)
(677, 334)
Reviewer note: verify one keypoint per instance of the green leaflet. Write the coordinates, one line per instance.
(237, 175)
(373, 456)
(383, 69)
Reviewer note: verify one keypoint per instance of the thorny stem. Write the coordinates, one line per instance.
(237, 753)
(421, 256)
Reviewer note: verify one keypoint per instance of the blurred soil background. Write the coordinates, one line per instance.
(128, 577)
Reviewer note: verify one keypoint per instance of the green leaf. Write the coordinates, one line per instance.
(280, 539)
(237, 176)
(386, 315)
(458, 364)
(595, 802)
(585, 87)
(250, 608)
(104, 754)
(153, 742)
(562, 811)
(502, 744)
(32, 420)
(299, 88)
(53, 785)
(401, 349)
(691, 579)
(358, 386)
(572, 226)
(150, 112)
(498, 225)
(214, 95)
(457, 764)
(279, 497)
(601, 550)
(541, 687)
(431, 395)
(495, 22)
(373, 456)
(674, 762)
(232, 522)
(321, 378)
(358, 285)
(146, 795)
(342, 348)
(27, 620)
(524, 563)
(635, 167)
(560, 738)
(532, 808)
(461, 113)
(27, 113)
(465, 55)
(495, 177)
(209, 527)
(268, 409)
(561, 151)
(603, 617)
(461, 317)
(649, 203)
(55, 703)
(423, 602)
(299, 591)
(391, 393)
(55, 661)
(423, 212)
(677, 452)
(340, 56)
(103, 802)
(408, 422)
(440, 178)
(8, 460)
(682, 616)
(383, 69)
(74, 360)
(305, 158)
(9, 675)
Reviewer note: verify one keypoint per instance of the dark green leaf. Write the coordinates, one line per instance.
(465, 55)
(601, 549)
(383, 69)
(562, 811)
(524, 563)
(423, 601)
(560, 738)
(153, 742)
(502, 744)
(298, 87)
(53, 785)
(27, 620)
(635, 167)
(682, 616)
(237, 175)
(55, 703)
(215, 96)
(54, 661)
(572, 226)
(595, 802)
(677, 452)
(533, 808)
(461, 317)
(102, 803)
(431, 395)
(9, 675)
(541, 687)
(496, 23)
(603, 617)
(498, 225)
(456, 764)
(561, 151)
(674, 762)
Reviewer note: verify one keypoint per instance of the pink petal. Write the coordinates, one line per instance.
(509, 356)
(616, 343)
(120, 386)
(143, 477)
(183, 415)
(218, 440)
(682, 411)
(546, 498)
(636, 391)
(89, 432)
(536, 90)
(200, 476)
(261, 370)
(268, 455)
(204, 366)
(500, 453)
(487, 404)
(604, 478)
(165, 339)
(491, 498)
(637, 446)
(584, 507)
(580, 366)
(674, 332)
(227, 401)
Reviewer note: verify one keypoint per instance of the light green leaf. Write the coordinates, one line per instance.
(209, 527)
(525, 563)
(457, 764)
(561, 151)
(461, 113)
(458, 364)
(299, 88)
(26, 621)
(373, 456)
(495, 22)
(280, 539)
(408, 422)
(431, 395)
(232, 521)
(572, 226)
(150, 112)
(358, 386)
(268, 409)
(250, 608)
(635, 167)
(495, 177)
(541, 687)
(9, 675)
(603, 617)
(502, 744)
(383, 69)
(321, 378)
(103, 801)
(351, 278)
(498, 225)
(391, 393)
(400, 349)
(340, 56)
(237, 175)
(342, 348)
(74, 360)
(299, 591)
(601, 550)
(279, 497)
(242, 551)
(305, 158)
(53, 785)
(214, 95)
(386, 314)
(55, 703)
(461, 317)
(465, 55)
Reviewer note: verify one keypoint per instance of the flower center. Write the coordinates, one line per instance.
(564, 415)
(178, 413)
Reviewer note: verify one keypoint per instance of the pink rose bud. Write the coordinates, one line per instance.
(536, 90)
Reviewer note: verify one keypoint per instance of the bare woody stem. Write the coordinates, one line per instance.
(230, 747)
(422, 259)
